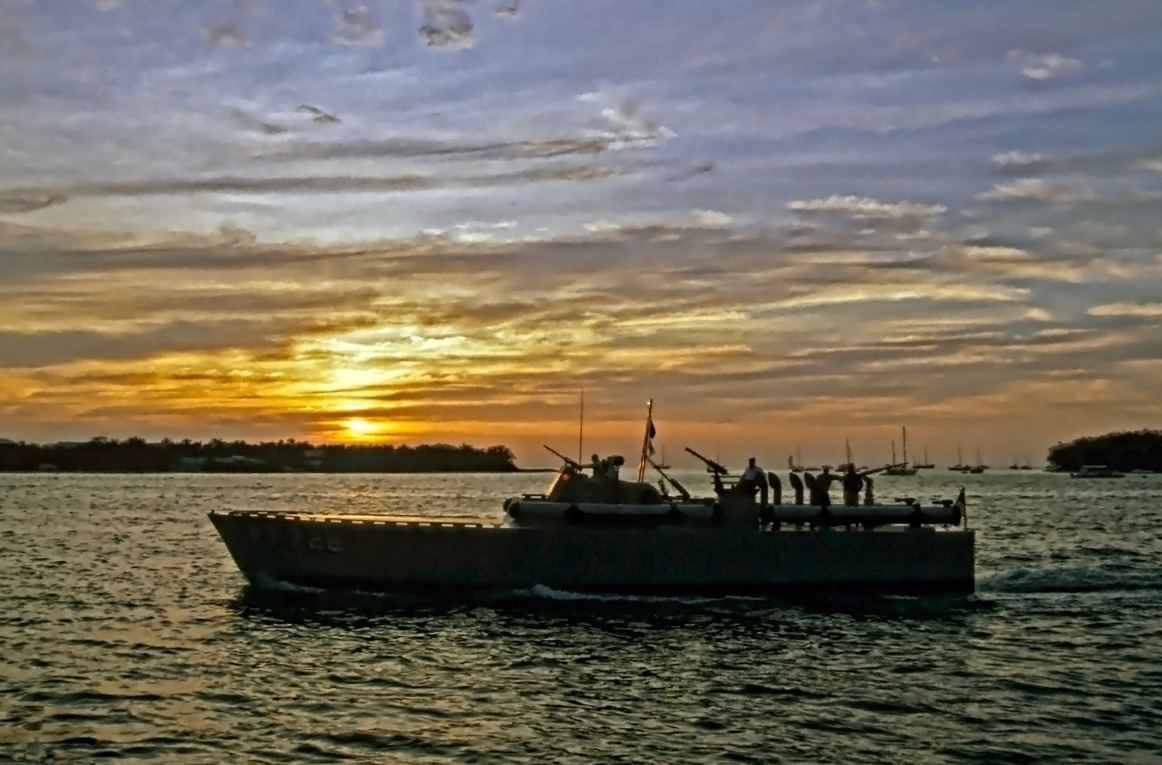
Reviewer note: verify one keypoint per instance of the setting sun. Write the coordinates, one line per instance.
(358, 427)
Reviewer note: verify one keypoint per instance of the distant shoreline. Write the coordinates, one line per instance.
(135, 455)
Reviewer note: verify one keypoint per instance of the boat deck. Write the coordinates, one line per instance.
(469, 522)
(357, 518)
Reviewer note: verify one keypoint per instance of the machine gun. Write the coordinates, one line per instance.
(711, 465)
(567, 460)
(673, 482)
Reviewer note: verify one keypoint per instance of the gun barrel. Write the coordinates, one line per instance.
(673, 482)
(568, 461)
(711, 464)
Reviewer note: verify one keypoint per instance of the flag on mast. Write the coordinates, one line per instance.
(647, 442)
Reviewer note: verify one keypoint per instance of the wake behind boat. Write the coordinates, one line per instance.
(591, 530)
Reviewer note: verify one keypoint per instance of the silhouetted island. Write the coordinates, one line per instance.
(135, 455)
(1123, 451)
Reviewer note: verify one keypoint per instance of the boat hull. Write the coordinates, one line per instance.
(394, 555)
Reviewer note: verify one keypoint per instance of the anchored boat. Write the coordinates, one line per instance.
(593, 531)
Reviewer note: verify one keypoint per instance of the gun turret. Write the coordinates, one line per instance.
(568, 461)
(711, 465)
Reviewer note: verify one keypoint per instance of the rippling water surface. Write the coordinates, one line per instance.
(126, 633)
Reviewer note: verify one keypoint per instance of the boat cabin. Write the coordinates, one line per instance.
(572, 485)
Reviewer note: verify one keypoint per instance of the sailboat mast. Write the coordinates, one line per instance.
(905, 430)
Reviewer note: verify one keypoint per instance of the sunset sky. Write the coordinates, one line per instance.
(789, 223)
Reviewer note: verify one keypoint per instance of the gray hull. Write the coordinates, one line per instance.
(387, 555)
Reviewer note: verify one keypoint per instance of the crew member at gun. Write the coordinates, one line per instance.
(754, 477)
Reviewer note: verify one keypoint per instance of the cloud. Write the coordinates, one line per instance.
(22, 202)
(1039, 190)
(27, 200)
(419, 148)
(225, 36)
(446, 24)
(358, 25)
(1018, 159)
(1045, 67)
(696, 219)
(864, 208)
(1144, 310)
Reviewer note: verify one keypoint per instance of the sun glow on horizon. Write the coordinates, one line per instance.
(359, 428)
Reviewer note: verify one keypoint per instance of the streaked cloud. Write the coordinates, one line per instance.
(1039, 190)
(1146, 310)
(1018, 159)
(864, 208)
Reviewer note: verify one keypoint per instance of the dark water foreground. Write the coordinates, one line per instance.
(127, 635)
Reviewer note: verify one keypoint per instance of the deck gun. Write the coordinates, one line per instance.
(567, 460)
(711, 465)
(673, 481)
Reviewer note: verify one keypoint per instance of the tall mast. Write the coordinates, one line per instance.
(581, 430)
(641, 463)
(905, 430)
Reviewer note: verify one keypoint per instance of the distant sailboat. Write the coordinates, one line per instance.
(901, 468)
(959, 467)
(795, 463)
(979, 467)
(847, 452)
(662, 464)
(925, 465)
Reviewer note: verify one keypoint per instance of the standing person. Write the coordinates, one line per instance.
(823, 485)
(852, 483)
(754, 477)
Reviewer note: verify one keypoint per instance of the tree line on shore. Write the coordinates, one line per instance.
(1123, 451)
(135, 455)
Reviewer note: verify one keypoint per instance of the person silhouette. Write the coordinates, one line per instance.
(852, 483)
(823, 486)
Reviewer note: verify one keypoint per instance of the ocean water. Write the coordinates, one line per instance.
(127, 635)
